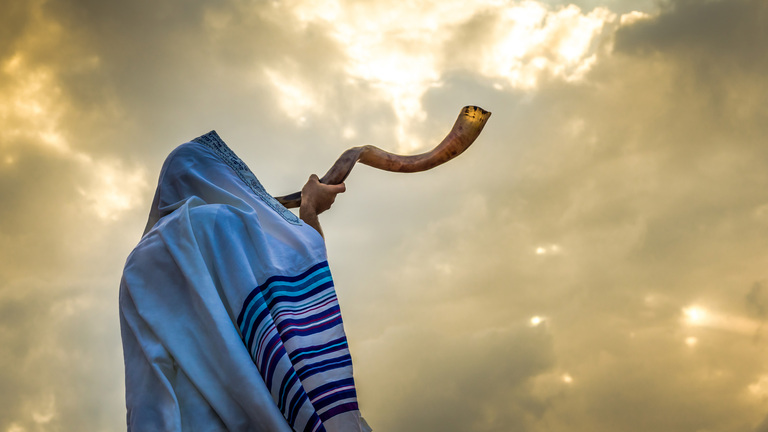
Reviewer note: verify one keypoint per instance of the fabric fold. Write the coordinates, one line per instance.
(228, 310)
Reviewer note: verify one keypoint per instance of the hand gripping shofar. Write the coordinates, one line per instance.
(466, 129)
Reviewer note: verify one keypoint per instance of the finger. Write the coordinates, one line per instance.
(339, 188)
(314, 177)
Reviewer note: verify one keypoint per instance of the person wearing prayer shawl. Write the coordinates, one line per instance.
(228, 312)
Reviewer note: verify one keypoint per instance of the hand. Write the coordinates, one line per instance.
(316, 198)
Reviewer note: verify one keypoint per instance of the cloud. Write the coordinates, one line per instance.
(402, 51)
(627, 146)
(757, 300)
(763, 426)
(713, 33)
(637, 172)
(462, 397)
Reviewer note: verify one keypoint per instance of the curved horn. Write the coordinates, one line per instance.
(464, 132)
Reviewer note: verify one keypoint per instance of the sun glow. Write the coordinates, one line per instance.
(33, 107)
(404, 49)
(760, 387)
(295, 97)
(548, 250)
(114, 190)
(695, 315)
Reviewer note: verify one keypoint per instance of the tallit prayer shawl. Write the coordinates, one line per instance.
(228, 311)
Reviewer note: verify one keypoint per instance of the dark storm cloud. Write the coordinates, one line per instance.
(726, 34)
(762, 427)
(719, 48)
(16, 17)
(757, 300)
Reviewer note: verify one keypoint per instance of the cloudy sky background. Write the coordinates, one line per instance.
(597, 261)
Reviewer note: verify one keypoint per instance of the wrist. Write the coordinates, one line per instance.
(308, 214)
(307, 208)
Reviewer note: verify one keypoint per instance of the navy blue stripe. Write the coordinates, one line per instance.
(263, 363)
(314, 421)
(318, 350)
(339, 365)
(288, 298)
(273, 364)
(290, 334)
(271, 279)
(296, 402)
(279, 278)
(296, 290)
(246, 302)
(329, 386)
(333, 398)
(300, 283)
(300, 276)
(288, 382)
(307, 320)
(336, 362)
(263, 314)
(351, 406)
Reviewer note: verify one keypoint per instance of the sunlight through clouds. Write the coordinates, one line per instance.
(28, 107)
(699, 317)
(552, 249)
(31, 113)
(759, 388)
(597, 262)
(45, 410)
(113, 189)
(534, 41)
(695, 315)
(403, 49)
(294, 97)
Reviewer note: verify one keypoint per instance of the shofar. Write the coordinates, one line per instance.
(466, 129)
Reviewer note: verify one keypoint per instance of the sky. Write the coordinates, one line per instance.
(596, 261)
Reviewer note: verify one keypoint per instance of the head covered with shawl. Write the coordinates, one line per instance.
(228, 312)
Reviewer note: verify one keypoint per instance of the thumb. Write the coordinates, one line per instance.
(339, 188)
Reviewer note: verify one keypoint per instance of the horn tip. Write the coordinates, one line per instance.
(473, 110)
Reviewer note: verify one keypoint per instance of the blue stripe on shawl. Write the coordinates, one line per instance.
(333, 363)
(318, 350)
(291, 333)
(303, 306)
(257, 291)
(301, 292)
(287, 383)
(314, 425)
(338, 409)
(286, 322)
(313, 394)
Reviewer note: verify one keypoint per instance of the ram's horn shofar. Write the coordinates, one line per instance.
(466, 129)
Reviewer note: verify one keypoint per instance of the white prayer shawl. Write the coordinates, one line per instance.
(228, 313)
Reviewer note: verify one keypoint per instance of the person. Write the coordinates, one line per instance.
(228, 312)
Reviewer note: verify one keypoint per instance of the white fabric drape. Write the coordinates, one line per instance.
(228, 313)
